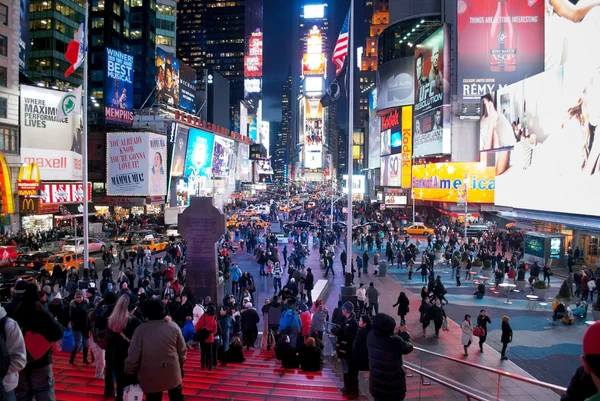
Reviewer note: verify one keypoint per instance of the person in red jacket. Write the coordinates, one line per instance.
(206, 328)
(306, 320)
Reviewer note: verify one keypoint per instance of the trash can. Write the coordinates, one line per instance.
(383, 267)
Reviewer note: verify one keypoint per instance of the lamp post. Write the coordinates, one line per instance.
(466, 207)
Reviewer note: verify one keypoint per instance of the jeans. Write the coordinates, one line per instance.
(350, 376)
(11, 396)
(309, 297)
(262, 269)
(235, 287)
(329, 267)
(503, 353)
(482, 341)
(36, 383)
(77, 336)
(277, 283)
(175, 394)
(371, 307)
(123, 264)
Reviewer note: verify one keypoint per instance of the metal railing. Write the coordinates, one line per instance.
(477, 385)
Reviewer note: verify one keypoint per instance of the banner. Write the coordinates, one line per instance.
(54, 145)
(313, 134)
(432, 132)
(198, 163)
(167, 78)
(66, 192)
(222, 158)
(395, 83)
(499, 42)
(118, 88)
(391, 169)
(442, 182)
(136, 164)
(407, 149)
(432, 72)
(374, 132)
(187, 87)
(179, 151)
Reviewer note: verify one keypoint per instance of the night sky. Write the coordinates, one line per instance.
(277, 51)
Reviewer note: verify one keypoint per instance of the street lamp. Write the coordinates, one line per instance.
(466, 207)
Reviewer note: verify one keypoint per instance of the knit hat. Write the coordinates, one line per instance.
(384, 323)
(47, 289)
(248, 305)
(20, 287)
(348, 307)
(591, 346)
(78, 293)
(58, 296)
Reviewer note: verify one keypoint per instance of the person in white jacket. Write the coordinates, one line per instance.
(467, 333)
(16, 351)
(361, 295)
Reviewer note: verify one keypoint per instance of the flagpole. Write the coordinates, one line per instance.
(84, 150)
(349, 161)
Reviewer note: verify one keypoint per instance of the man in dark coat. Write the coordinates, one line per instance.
(343, 347)
(387, 380)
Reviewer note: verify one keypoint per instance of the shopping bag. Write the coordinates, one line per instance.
(478, 332)
(133, 393)
(445, 325)
(68, 341)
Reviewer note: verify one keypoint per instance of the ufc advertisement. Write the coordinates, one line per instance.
(391, 169)
(555, 155)
(432, 72)
(429, 136)
(54, 145)
(499, 42)
(395, 83)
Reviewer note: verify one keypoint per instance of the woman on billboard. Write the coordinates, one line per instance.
(495, 132)
(157, 178)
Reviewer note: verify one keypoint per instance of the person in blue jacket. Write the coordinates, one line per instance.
(236, 275)
(188, 331)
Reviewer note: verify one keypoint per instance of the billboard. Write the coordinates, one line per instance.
(243, 168)
(54, 145)
(386, 146)
(395, 200)
(390, 133)
(222, 157)
(313, 64)
(198, 160)
(407, 148)
(391, 169)
(554, 154)
(66, 192)
(263, 167)
(498, 43)
(314, 11)
(432, 72)
(118, 88)
(187, 87)
(254, 56)
(358, 184)
(136, 164)
(167, 78)
(442, 182)
(313, 134)
(395, 83)
(432, 132)
(374, 132)
(179, 151)
(28, 181)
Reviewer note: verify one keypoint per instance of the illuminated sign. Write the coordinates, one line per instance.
(28, 206)
(314, 42)
(252, 85)
(314, 11)
(255, 44)
(358, 184)
(313, 64)
(254, 56)
(28, 182)
(6, 197)
(64, 193)
(313, 84)
(407, 152)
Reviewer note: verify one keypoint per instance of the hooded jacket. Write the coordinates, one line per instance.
(16, 351)
(387, 379)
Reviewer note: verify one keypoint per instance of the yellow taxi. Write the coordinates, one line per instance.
(418, 229)
(231, 223)
(255, 221)
(69, 259)
(155, 245)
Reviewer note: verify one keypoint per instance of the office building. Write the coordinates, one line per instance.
(283, 146)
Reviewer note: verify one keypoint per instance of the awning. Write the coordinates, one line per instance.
(457, 215)
(71, 210)
(569, 221)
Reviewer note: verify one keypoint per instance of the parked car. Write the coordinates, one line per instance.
(371, 227)
(32, 260)
(76, 245)
(172, 231)
(418, 229)
(154, 227)
(299, 224)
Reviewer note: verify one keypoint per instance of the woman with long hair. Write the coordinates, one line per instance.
(207, 329)
(467, 333)
(403, 307)
(121, 326)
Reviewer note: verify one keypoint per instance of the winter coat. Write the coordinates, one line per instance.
(15, 345)
(274, 313)
(373, 295)
(305, 319)
(250, 318)
(78, 316)
(236, 273)
(209, 323)
(360, 352)
(318, 321)
(403, 306)
(287, 354)
(309, 282)
(361, 294)
(507, 333)
(345, 339)
(188, 331)
(437, 313)
(157, 354)
(311, 359)
(467, 333)
(387, 380)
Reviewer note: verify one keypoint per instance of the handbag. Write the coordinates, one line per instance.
(478, 332)
(202, 334)
(445, 325)
(133, 393)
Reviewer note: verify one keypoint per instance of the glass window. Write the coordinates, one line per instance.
(97, 22)
(3, 107)
(3, 75)
(40, 25)
(3, 14)
(8, 139)
(3, 45)
(116, 9)
(40, 6)
(98, 5)
(97, 40)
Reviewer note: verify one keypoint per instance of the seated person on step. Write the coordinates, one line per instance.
(480, 291)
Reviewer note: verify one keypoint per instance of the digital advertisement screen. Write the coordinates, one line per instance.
(386, 145)
(432, 72)
(167, 78)
(555, 246)
(499, 43)
(534, 246)
(198, 161)
(391, 169)
(179, 151)
(396, 139)
(395, 83)
(313, 64)
(431, 133)
(187, 87)
(118, 88)
(222, 157)
(374, 132)
(553, 145)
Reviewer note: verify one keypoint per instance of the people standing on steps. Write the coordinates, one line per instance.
(482, 321)
(467, 333)
(344, 343)
(507, 336)
(373, 298)
(403, 307)
(424, 271)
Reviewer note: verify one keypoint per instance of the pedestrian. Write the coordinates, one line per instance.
(206, 329)
(365, 262)
(403, 307)
(373, 298)
(78, 316)
(277, 272)
(157, 354)
(387, 380)
(507, 336)
(424, 267)
(467, 334)
(344, 260)
(344, 343)
(457, 274)
(17, 354)
(361, 296)
(250, 320)
(236, 274)
(547, 273)
(360, 352)
(591, 365)
(438, 315)
(482, 321)
(425, 317)
(309, 284)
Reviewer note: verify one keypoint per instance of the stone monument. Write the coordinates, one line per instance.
(201, 225)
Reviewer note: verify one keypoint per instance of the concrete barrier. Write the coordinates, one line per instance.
(319, 289)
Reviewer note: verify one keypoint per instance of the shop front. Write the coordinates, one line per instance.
(36, 217)
(126, 205)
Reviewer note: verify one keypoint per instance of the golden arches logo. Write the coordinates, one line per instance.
(28, 206)
(6, 193)
(28, 182)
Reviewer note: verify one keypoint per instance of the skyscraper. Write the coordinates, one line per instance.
(282, 145)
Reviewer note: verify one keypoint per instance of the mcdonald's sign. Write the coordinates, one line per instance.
(7, 205)
(28, 182)
(28, 206)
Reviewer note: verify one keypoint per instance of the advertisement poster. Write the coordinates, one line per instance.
(244, 163)
(391, 169)
(313, 134)
(187, 87)
(136, 164)
(118, 88)
(407, 149)
(432, 72)
(554, 154)
(222, 157)
(167, 78)
(396, 83)
(430, 136)
(54, 145)
(63, 193)
(198, 162)
(374, 132)
(499, 43)
(386, 146)
(179, 151)
(442, 182)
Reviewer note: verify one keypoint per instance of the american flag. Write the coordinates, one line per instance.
(341, 47)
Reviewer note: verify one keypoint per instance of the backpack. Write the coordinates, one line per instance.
(4, 355)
